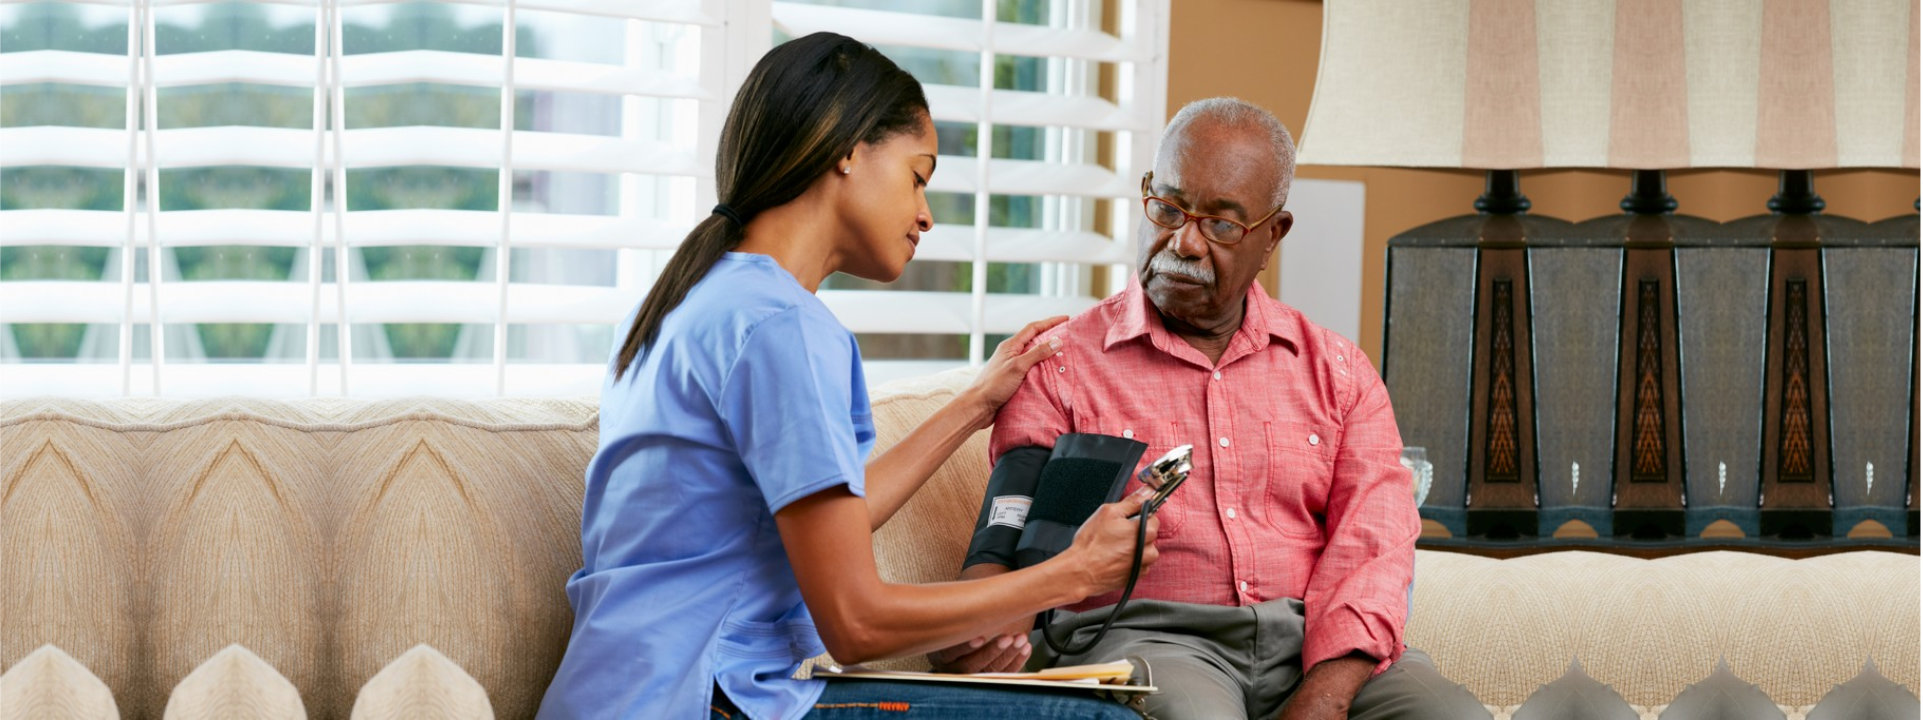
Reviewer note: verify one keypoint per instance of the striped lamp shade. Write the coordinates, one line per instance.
(1635, 84)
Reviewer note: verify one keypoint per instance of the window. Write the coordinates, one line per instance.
(1046, 114)
(466, 198)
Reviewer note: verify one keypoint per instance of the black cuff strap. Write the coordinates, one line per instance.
(1005, 506)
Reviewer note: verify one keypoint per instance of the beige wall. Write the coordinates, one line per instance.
(1265, 51)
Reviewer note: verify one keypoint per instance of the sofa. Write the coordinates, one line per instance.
(334, 558)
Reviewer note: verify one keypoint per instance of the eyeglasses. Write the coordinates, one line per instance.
(1215, 228)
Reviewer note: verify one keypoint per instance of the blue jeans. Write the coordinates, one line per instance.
(885, 700)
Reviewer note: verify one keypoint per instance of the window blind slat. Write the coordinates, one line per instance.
(74, 146)
(365, 228)
(949, 103)
(62, 301)
(253, 146)
(177, 147)
(420, 66)
(426, 301)
(597, 232)
(1081, 44)
(687, 12)
(917, 312)
(368, 147)
(372, 228)
(62, 66)
(882, 27)
(439, 66)
(476, 302)
(1007, 314)
(899, 311)
(956, 243)
(186, 228)
(481, 148)
(74, 228)
(242, 66)
(1030, 177)
(561, 75)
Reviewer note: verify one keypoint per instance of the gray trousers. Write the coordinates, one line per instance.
(1214, 662)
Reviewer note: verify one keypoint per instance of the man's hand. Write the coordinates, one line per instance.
(1003, 652)
(1329, 687)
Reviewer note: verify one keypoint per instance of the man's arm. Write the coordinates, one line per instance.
(1356, 601)
(900, 471)
(1033, 417)
(1329, 687)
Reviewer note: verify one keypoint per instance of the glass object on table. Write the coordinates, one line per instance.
(1420, 471)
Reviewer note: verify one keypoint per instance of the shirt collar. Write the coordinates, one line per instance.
(1264, 318)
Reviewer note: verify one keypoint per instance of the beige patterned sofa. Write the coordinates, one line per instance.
(142, 539)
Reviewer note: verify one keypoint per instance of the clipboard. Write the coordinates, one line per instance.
(1126, 678)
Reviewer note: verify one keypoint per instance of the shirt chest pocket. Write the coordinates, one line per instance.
(1300, 467)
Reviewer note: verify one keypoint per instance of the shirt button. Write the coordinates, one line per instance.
(1231, 513)
(1338, 358)
(1129, 434)
(1218, 374)
(1245, 586)
(1063, 368)
(1313, 440)
(1224, 442)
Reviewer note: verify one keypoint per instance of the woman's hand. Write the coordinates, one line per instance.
(1005, 369)
(1104, 547)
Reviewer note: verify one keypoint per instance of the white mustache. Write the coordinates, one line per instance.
(1164, 262)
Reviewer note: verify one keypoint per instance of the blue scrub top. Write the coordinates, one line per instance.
(752, 397)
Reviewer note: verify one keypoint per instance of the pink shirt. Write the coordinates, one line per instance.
(1297, 490)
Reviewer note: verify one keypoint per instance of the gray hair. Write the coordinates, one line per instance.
(1236, 112)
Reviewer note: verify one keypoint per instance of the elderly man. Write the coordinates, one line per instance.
(1292, 544)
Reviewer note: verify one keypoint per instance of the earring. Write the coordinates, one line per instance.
(845, 169)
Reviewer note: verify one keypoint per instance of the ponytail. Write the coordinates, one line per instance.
(699, 251)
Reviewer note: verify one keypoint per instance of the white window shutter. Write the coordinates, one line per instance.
(664, 73)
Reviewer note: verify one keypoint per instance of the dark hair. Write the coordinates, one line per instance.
(805, 106)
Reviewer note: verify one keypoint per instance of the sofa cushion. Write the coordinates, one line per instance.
(328, 535)
(460, 532)
(422, 684)
(49, 684)
(926, 540)
(235, 683)
(1649, 628)
(69, 544)
(235, 551)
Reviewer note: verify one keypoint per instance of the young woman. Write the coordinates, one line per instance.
(726, 530)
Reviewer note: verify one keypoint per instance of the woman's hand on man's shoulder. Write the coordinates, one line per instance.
(1003, 373)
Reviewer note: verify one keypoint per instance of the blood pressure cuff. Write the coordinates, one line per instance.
(1037, 498)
